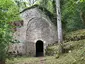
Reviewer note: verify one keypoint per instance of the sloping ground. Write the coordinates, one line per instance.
(75, 35)
(75, 55)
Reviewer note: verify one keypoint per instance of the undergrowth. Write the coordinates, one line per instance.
(75, 35)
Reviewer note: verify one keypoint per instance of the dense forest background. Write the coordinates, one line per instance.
(72, 14)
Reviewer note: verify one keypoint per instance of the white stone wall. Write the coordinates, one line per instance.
(17, 49)
(37, 26)
(20, 34)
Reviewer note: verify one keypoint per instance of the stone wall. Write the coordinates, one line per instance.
(16, 49)
(38, 27)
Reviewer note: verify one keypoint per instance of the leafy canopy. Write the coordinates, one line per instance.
(8, 13)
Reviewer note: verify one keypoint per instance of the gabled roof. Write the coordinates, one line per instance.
(48, 13)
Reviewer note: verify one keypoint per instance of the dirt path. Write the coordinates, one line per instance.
(31, 60)
(42, 60)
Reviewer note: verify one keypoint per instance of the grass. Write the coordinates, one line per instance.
(75, 35)
(45, 60)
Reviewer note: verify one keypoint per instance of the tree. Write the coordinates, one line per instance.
(59, 25)
(8, 13)
(73, 12)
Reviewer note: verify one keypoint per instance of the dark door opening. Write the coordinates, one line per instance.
(39, 48)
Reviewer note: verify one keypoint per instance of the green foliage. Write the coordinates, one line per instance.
(52, 50)
(48, 4)
(75, 35)
(78, 51)
(82, 0)
(71, 15)
(8, 13)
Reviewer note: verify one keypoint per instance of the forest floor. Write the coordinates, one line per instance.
(76, 54)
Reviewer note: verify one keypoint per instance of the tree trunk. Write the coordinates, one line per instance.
(2, 62)
(82, 16)
(59, 25)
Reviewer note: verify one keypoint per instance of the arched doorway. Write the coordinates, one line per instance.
(39, 48)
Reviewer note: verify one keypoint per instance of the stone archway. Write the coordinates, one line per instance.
(39, 48)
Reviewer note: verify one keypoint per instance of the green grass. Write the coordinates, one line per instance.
(75, 35)
(75, 56)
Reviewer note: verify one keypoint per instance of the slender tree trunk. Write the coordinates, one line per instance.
(59, 25)
(2, 62)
